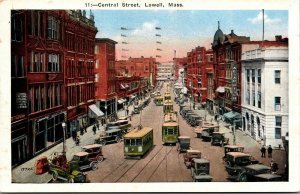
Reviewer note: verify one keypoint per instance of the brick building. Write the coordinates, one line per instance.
(227, 51)
(105, 76)
(199, 63)
(178, 63)
(45, 64)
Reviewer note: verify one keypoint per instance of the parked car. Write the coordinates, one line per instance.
(200, 170)
(82, 161)
(59, 168)
(187, 113)
(189, 155)
(183, 143)
(232, 148)
(236, 161)
(219, 139)
(194, 120)
(254, 172)
(206, 134)
(112, 135)
(94, 152)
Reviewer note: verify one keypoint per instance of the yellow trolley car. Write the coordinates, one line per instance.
(170, 128)
(167, 96)
(158, 100)
(138, 141)
(168, 106)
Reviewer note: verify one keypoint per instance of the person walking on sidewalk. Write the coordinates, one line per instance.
(274, 167)
(270, 150)
(263, 151)
(94, 129)
(74, 135)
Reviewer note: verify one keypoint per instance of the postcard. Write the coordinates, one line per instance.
(157, 96)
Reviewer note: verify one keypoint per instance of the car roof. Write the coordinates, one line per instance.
(92, 146)
(81, 154)
(184, 137)
(138, 132)
(201, 160)
(237, 154)
(193, 151)
(258, 167)
(233, 146)
(268, 176)
(113, 130)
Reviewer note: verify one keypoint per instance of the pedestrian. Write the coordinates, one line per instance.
(94, 129)
(263, 151)
(98, 127)
(77, 141)
(74, 135)
(102, 122)
(270, 150)
(216, 117)
(81, 131)
(127, 111)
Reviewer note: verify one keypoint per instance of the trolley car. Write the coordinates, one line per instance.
(168, 106)
(167, 96)
(158, 100)
(138, 141)
(121, 123)
(170, 128)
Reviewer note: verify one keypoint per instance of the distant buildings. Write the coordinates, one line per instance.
(52, 77)
(165, 71)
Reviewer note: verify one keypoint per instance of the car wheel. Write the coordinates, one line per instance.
(118, 139)
(70, 180)
(103, 142)
(100, 158)
(94, 166)
(54, 175)
(228, 163)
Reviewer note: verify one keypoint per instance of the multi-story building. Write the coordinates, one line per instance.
(265, 91)
(79, 70)
(165, 71)
(178, 62)
(43, 54)
(227, 71)
(199, 61)
(127, 89)
(105, 76)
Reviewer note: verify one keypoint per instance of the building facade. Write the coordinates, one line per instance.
(105, 76)
(178, 62)
(165, 71)
(265, 91)
(40, 61)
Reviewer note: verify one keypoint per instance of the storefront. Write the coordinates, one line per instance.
(48, 131)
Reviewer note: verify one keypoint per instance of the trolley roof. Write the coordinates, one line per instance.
(237, 154)
(92, 146)
(170, 117)
(170, 124)
(138, 132)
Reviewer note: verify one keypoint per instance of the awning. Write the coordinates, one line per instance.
(121, 101)
(232, 115)
(124, 86)
(95, 111)
(220, 89)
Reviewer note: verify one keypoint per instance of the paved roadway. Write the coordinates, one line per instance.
(162, 163)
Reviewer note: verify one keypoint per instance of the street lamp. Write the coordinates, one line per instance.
(64, 137)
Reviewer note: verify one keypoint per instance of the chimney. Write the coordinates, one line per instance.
(278, 38)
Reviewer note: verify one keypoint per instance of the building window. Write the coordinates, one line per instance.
(259, 100)
(248, 75)
(277, 103)
(16, 29)
(277, 76)
(248, 97)
(17, 67)
(253, 98)
(253, 75)
(53, 63)
(277, 133)
(259, 76)
(53, 28)
(278, 121)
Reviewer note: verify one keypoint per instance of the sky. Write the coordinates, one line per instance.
(181, 30)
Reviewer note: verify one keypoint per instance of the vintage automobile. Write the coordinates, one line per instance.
(183, 143)
(200, 170)
(232, 148)
(206, 134)
(194, 120)
(189, 155)
(250, 172)
(267, 177)
(112, 135)
(236, 161)
(81, 160)
(94, 152)
(59, 168)
(219, 139)
(183, 109)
